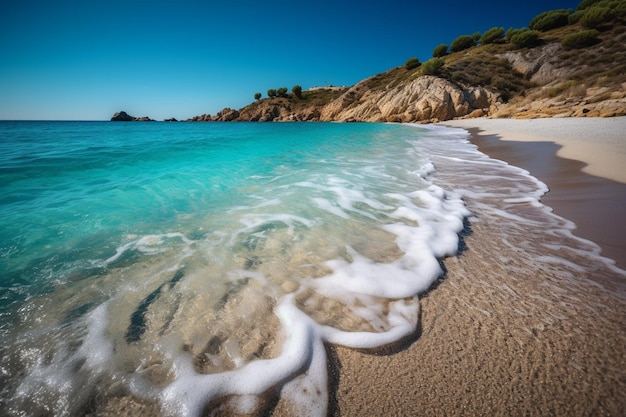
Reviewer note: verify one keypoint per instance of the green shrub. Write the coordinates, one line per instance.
(575, 17)
(282, 92)
(512, 32)
(412, 63)
(492, 35)
(581, 39)
(432, 66)
(257, 96)
(297, 91)
(271, 92)
(597, 16)
(550, 20)
(587, 3)
(440, 50)
(462, 42)
(526, 39)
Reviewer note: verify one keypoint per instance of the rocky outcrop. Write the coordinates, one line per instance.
(537, 64)
(122, 116)
(226, 115)
(201, 118)
(425, 98)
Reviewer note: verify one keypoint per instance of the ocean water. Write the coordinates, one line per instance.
(181, 264)
(172, 269)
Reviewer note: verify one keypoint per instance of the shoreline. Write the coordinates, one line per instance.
(564, 154)
(527, 320)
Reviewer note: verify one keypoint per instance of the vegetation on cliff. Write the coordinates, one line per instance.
(565, 62)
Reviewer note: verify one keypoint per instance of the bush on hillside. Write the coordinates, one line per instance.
(257, 96)
(492, 35)
(581, 39)
(271, 92)
(282, 92)
(462, 42)
(412, 63)
(587, 3)
(512, 32)
(297, 91)
(575, 17)
(550, 20)
(526, 39)
(597, 16)
(440, 51)
(433, 66)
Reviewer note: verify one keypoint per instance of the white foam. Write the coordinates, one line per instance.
(424, 218)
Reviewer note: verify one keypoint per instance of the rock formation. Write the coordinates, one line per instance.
(122, 116)
(425, 98)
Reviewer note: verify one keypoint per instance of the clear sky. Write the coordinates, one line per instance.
(86, 59)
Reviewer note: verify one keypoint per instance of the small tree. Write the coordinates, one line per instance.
(412, 63)
(440, 51)
(271, 92)
(297, 91)
(462, 42)
(492, 35)
(257, 96)
(282, 92)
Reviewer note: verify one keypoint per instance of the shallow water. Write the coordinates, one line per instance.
(180, 264)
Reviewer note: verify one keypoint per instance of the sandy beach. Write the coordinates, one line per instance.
(528, 320)
(582, 162)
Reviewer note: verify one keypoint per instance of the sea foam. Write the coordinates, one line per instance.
(198, 307)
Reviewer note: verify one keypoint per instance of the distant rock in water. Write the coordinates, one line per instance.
(173, 119)
(122, 116)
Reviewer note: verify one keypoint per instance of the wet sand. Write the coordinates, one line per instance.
(595, 203)
(527, 321)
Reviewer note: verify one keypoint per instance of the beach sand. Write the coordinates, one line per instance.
(527, 321)
(582, 161)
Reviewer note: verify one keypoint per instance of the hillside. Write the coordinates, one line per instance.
(569, 63)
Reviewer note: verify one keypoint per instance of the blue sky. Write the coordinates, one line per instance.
(85, 60)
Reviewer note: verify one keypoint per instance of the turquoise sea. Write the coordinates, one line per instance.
(185, 263)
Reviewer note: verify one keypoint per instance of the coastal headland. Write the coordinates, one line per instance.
(566, 64)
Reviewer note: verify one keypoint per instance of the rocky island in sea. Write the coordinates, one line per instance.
(122, 116)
